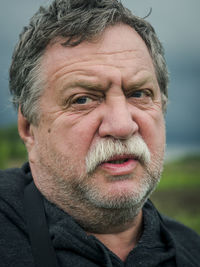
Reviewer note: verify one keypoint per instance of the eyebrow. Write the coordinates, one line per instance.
(139, 83)
(89, 85)
(96, 86)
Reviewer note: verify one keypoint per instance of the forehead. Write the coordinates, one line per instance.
(118, 46)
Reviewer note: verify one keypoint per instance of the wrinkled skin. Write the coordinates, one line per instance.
(94, 91)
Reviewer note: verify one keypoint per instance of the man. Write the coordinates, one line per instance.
(89, 80)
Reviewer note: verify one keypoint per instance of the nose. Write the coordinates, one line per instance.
(117, 121)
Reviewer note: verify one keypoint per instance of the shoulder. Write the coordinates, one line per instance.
(14, 178)
(12, 184)
(14, 244)
(185, 238)
(13, 181)
(179, 230)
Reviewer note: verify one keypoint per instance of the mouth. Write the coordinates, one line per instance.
(120, 165)
(120, 159)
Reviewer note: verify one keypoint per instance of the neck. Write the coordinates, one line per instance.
(122, 241)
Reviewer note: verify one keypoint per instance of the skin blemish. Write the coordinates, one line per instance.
(49, 130)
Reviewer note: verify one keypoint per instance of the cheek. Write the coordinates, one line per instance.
(69, 135)
(153, 132)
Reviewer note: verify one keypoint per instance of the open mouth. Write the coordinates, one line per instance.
(119, 161)
(120, 165)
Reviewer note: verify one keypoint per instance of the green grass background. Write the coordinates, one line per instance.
(178, 194)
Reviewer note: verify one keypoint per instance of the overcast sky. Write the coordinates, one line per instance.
(177, 23)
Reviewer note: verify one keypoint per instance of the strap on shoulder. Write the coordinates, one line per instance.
(42, 248)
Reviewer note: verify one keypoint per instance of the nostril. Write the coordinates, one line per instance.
(118, 130)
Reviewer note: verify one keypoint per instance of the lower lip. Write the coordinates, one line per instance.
(120, 169)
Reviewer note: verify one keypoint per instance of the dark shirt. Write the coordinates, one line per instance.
(164, 242)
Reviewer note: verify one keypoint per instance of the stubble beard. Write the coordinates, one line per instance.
(78, 195)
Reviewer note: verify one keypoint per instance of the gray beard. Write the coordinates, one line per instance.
(93, 212)
(60, 182)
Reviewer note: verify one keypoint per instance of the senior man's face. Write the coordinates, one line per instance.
(101, 137)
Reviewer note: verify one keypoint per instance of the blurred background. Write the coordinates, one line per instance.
(177, 25)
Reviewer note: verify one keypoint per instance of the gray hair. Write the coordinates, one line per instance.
(78, 21)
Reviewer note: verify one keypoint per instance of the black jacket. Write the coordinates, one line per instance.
(164, 242)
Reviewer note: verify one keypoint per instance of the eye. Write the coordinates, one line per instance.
(137, 94)
(82, 100)
(141, 93)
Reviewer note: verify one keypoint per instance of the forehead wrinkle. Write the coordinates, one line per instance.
(88, 58)
(90, 82)
(120, 56)
(116, 52)
(102, 58)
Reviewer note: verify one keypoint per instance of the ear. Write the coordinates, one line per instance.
(25, 131)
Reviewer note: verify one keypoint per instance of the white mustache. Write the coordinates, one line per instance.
(108, 148)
